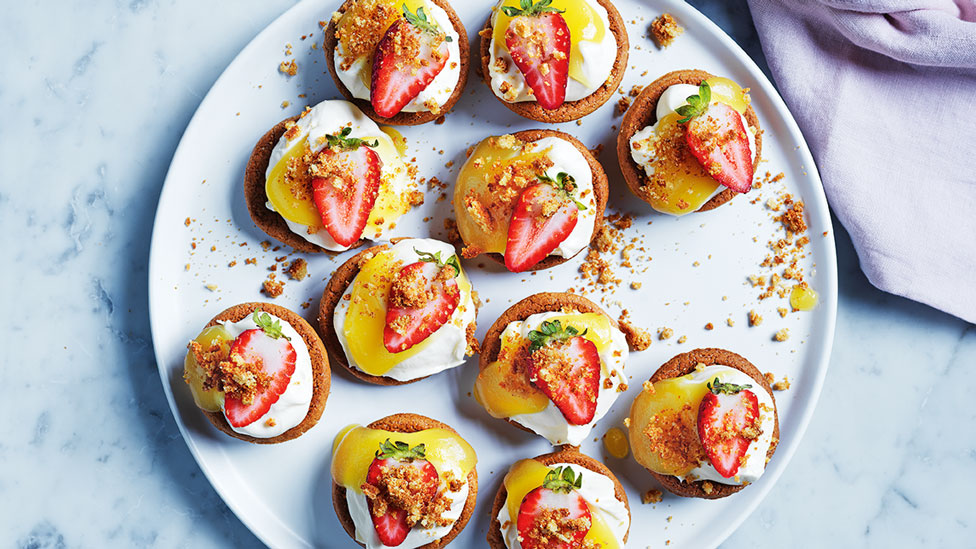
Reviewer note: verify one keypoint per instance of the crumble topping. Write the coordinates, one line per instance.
(665, 29)
(406, 487)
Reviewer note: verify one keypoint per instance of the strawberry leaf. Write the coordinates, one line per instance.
(717, 387)
(565, 183)
(420, 21)
(435, 258)
(562, 479)
(400, 451)
(269, 325)
(551, 331)
(529, 9)
(697, 104)
(343, 141)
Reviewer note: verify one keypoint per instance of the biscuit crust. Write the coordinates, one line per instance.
(566, 454)
(643, 113)
(685, 363)
(321, 373)
(570, 110)
(337, 286)
(401, 118)
(409, 423)
(601, 192)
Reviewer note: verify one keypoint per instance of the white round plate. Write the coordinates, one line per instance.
(697, 275)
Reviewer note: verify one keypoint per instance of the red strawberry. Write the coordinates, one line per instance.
(566, 367)
(727, 424)
(411, 53)
(423, 297)
(544, 216)
(267, 348)
(345, 183)
(718, 139)
(566, 509)
(392, 527)
(538, 40)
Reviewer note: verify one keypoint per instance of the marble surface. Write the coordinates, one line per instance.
(93, 101)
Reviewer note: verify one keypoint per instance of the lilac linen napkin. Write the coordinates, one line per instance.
(885, 93)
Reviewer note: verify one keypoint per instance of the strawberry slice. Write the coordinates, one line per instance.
(538, 40)
(566, 367)
(544, 216)
(556, 505)
(408, 58)
(392, 526)
(345, 184)
(266, 349)
(718, 139)
(422, 298)
(728, 421)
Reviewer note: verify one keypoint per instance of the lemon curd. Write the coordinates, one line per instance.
(355, 447)
(212, 400)
(527, 475)
(584, 24)
(680, 184)
(366, 316)
(803, 297)
(291, 194)
(670, 413)
(506, 392)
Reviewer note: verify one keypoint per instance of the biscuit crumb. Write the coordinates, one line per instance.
(289, 68)
(755, 319)
(707, 487)
(682, 339)
(635, 285)
(638, 338)
(782, 335)
(730, 322)
(665, 29)
(664, 333)
(273, 288)
(709, 326)
(622, 105)
(783, 311)
(212, 287)
(782, 385)
(298, 269)
(652, 496)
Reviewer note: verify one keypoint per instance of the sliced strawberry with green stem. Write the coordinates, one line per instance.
(565, 366)
(539, 43)
(727, 424)
(559, 495)
(345, 184)
(422, 298)
(412, 52)
(545, 214)
(268, 348)
(717, 138)
(392, 527)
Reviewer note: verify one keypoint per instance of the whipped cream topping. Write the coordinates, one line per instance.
(597, 490)
(329, 117)
(446, 347)
(672, 98)
(598, 60)
(755, 463)
(292, 406)
(550, 422)
(436, 94)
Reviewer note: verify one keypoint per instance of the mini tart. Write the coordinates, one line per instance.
(256, 197)
(566, 454)
(643, 113)
(534, 304)
(403, 118)
(686, 363)
(601, 191)
(321, 373)
(570, 110)
(409, 423)
(334, 290)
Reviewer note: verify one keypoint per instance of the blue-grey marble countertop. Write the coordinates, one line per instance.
(93, 100)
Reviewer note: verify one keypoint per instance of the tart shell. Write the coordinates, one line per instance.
(401, 118)
(567, 454)
(321, 373)
(409, 423)
(643, 113)
(570, 110)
